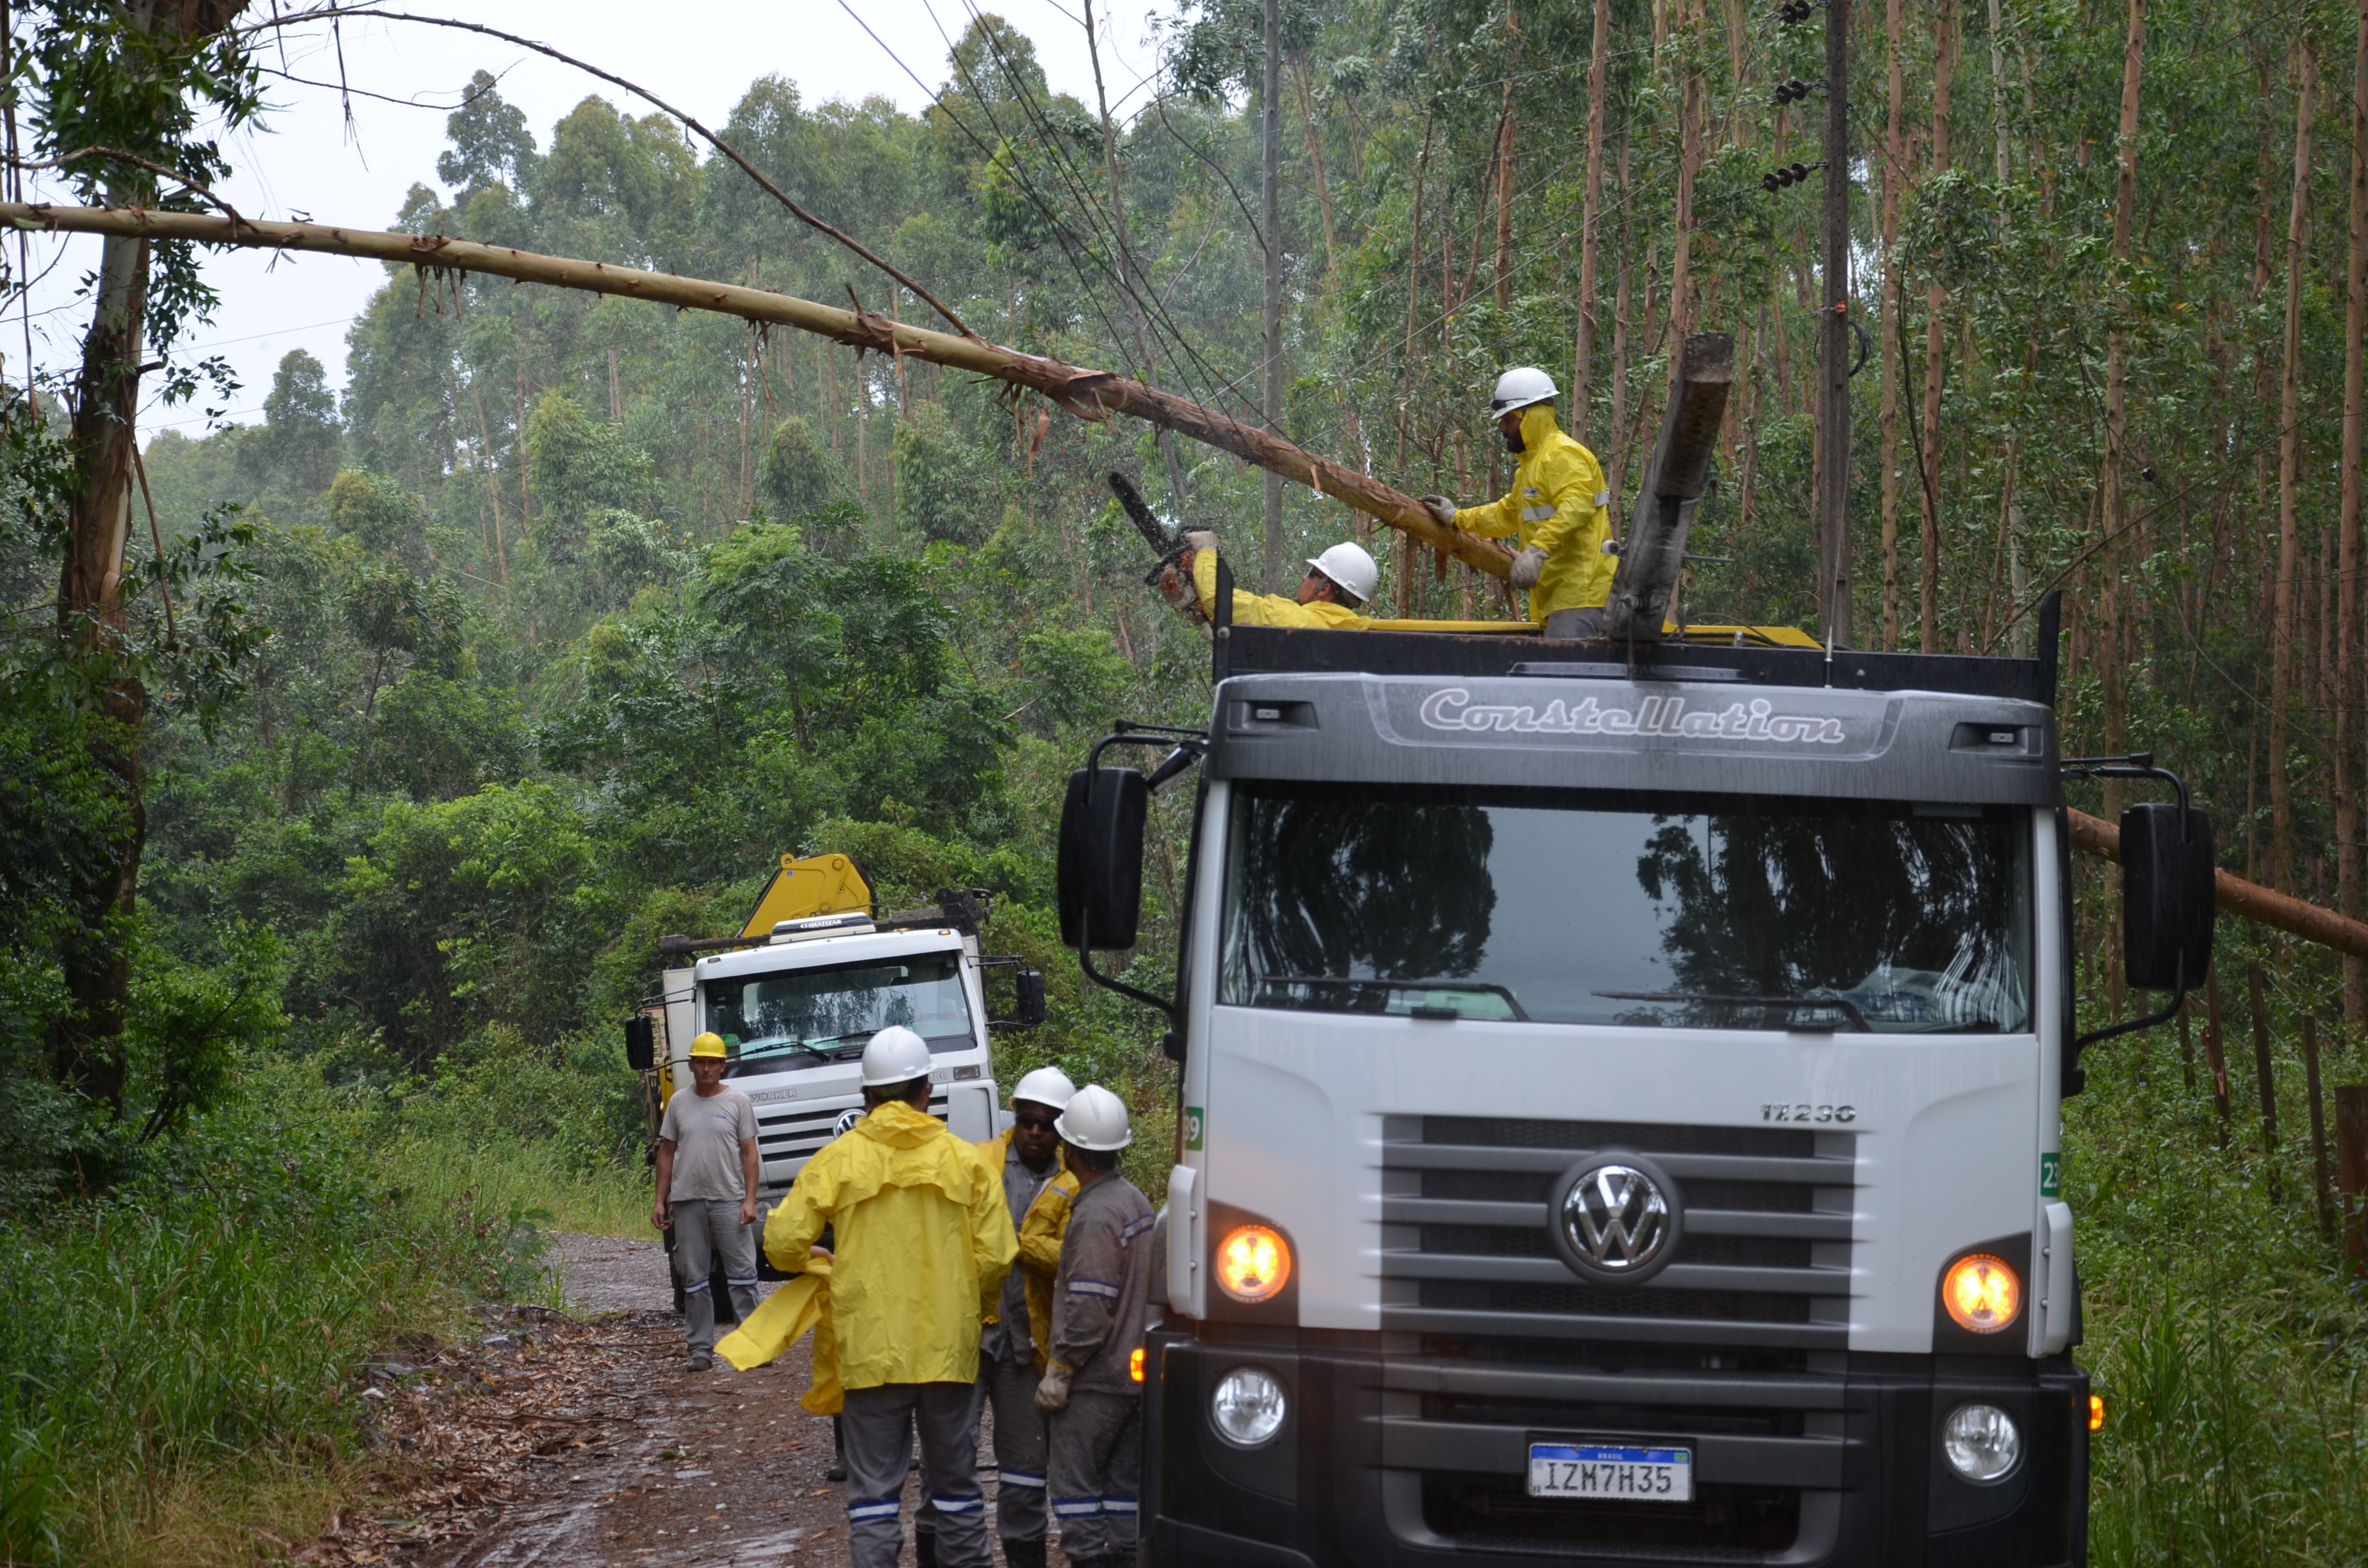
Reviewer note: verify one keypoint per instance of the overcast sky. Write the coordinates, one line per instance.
(699, 55)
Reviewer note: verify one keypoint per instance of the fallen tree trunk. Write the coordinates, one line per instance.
(2251, 901)
(1087, 393)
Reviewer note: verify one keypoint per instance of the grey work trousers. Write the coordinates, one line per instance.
(704, 1226)
(1576, 625)
(1009, 1388)
(1097, 1472)
(879, 1424)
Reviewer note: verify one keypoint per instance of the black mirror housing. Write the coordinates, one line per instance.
(1101, 873)
(640, 1042)
(1029, 986)
(2168, 897)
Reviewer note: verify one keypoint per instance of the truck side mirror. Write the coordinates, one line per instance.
(2168, 903)
(640, 1042)
(1028, 983)
(1101, 873)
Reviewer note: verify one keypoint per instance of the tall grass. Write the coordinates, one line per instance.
(205, 1321)
(2231, 1349)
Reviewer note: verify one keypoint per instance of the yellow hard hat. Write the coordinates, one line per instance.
(709, 1044)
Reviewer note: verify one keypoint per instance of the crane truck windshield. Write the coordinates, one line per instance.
(1701, 912)
(792, 1018)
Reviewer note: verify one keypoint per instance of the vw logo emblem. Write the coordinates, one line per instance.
(1615, 1218)
(846, 1121)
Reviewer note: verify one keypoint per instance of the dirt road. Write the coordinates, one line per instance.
(578, 1439)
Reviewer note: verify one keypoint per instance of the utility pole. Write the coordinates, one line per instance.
(1271, 392)
(1834, 341)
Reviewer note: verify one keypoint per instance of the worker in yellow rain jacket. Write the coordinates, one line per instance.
(1011, 1351)
(1330, 596)
(922, 1243)
(1558, 505)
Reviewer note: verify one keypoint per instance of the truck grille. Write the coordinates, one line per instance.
(1763, 1258)
(793, 1132)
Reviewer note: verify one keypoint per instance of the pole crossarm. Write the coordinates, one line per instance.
(1087, 393)
(2250, 901)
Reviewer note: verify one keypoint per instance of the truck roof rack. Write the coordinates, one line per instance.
(1255, 650)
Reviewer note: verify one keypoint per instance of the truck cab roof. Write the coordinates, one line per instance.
(1413, 709)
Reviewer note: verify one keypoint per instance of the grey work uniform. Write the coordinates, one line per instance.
(703, 1200)
(1100, 1305)
(1007, 1377)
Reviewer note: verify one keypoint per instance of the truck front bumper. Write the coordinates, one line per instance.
(1398, 1458)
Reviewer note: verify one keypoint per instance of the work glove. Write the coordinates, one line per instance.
(1176, 587)
(1526, 567)
(1442, 510)
(1201, 538)
(1053, 1390)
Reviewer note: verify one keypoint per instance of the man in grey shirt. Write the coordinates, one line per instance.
(706, 1194)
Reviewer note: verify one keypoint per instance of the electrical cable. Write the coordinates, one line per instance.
(1157, 313)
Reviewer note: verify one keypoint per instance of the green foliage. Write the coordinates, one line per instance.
(216, 1307)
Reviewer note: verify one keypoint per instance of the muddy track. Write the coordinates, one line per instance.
(579, 1440)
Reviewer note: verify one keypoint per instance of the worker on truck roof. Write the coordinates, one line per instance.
(706, 1194)
(923, 1243)
(1337, 586)
(1558, 505)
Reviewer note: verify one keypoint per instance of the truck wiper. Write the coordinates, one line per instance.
(1511, 1001)
(815, 1047)
(1791, 1004)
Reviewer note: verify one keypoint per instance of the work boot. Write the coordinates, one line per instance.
(1024, 1554)
(837, 1471)
(925, 1548)
(702, 1362)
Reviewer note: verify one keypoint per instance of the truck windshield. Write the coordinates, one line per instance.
(787, 1017)
(1709, 911)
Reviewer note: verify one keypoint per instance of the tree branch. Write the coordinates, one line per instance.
(1087, 393)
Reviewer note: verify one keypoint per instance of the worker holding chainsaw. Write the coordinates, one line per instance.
(1558, 505)
(1330, 596)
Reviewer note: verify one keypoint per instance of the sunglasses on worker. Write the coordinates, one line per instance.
(1033, 1123)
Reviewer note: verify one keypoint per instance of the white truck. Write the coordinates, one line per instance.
(811, 976)
(1619, 1099)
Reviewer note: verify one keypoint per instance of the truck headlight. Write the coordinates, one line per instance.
(1253, 1262)
(1983, 1293)
(1248, 1406)
(1981, 1440)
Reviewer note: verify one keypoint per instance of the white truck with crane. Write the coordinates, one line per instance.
(1619, 1090)
(812, 975)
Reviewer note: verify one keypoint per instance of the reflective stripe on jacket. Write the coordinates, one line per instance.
(1558, 504)
(1100, 1297)
(923, 1243)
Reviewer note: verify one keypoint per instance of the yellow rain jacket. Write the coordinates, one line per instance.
(1275, 609)
(779, 1322)
(1558, 504)
(922, 1242)
(1041, 1230)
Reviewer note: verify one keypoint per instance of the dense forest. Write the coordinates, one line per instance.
(365, 787)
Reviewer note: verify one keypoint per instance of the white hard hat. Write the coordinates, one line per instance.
(1096, 1119)
(1349, 566)
(1046, 1087)
(1520, 387)
(896, 1055)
